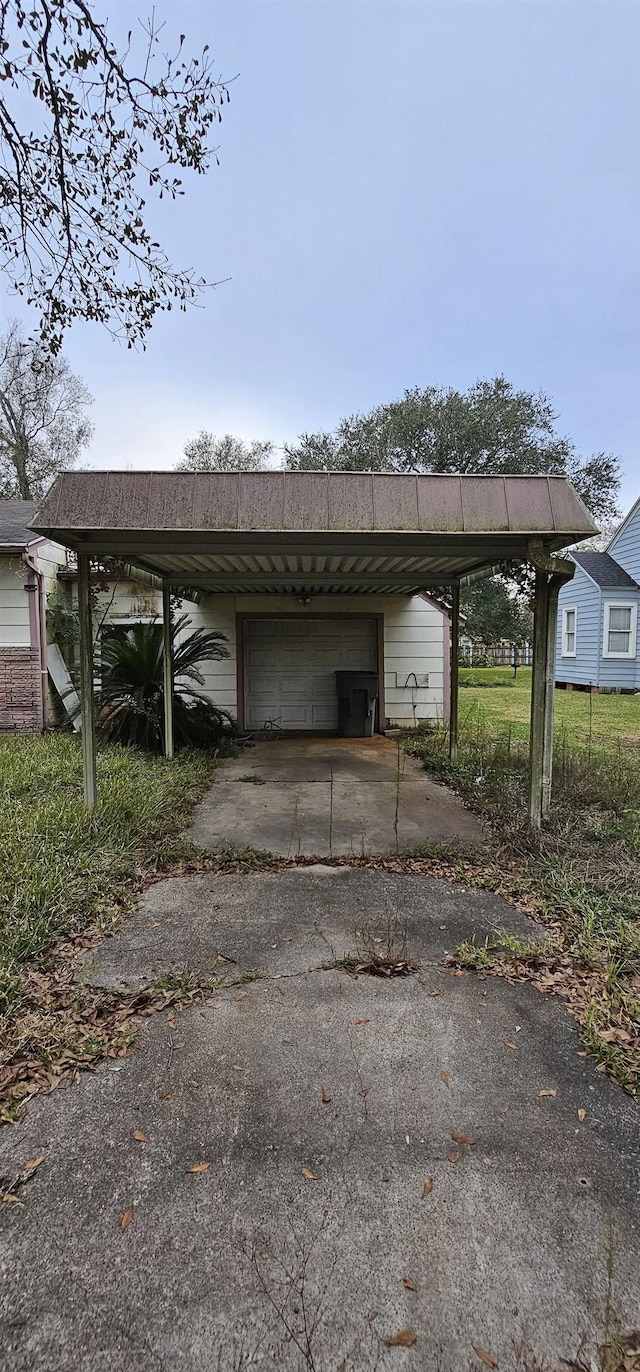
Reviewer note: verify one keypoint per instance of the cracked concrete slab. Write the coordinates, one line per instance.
(253, 1264)
(286, 922)
(330, 797)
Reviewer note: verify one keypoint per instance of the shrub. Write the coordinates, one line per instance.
(130, 699)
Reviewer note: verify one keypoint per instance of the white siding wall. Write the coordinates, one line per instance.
(14, 604)
(414, 637)
(50, 558)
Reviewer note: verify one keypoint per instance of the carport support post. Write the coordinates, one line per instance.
(87, 709)
(551, 574)
(453, 677)
(167, 665)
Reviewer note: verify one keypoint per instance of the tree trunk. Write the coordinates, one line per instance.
(21, 455)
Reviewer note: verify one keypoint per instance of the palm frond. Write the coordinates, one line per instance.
(130, 699)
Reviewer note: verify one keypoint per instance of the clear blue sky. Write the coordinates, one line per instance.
(409, 193)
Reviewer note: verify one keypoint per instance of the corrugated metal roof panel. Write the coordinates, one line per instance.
(440, 504)
(484, 504)
(528, 501)
(312, 502)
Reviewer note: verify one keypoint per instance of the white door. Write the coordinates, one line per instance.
(290, 667)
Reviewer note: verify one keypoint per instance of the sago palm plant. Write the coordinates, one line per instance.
(130, 698)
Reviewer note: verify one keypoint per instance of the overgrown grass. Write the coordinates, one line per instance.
(60, 867)
(596, 721)
(582, 874)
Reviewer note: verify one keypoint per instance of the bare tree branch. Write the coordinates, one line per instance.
(43, 425)
(73, 186)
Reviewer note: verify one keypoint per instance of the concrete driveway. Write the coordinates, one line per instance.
(330, 797)
(340, 1206)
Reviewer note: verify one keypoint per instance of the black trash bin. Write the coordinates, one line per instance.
(357, 695)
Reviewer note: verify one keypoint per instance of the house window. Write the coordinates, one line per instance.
(619, 630)
(569, 631)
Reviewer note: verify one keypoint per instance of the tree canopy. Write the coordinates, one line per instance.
(87, 131)
(43, 424)
(496, 615)
(490, 429)
(207, 453)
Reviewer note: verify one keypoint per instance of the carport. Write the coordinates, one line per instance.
(323, 533)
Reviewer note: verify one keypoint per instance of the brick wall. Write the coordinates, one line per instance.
(20, 690)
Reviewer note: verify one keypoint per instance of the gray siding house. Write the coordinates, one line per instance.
(597, 642)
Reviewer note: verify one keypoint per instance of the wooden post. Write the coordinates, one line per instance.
(453, 678)
(539, 775)
(167, 669)
(86, 681)
(555, 583)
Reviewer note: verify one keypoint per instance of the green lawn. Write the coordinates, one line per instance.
(61, 867)
(583, 872)
(492, 694)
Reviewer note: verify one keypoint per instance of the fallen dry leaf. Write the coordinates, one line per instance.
(405, 1338)
(427, 1187)
(410, 1285)
(193, 1082)
(325, 1097)
(485, 1357)
(166, 1096)
(199, 1167)
(459, 973)
(509, 1044)
(455, 1157)
(362, 1021)
(127, 1218)
(287, 1043)
(445, 1077)
(364, 1092)
(435, 992)
(582, 1115)
(384, 1176)
(139, 1137)
(462, 1138)
(548, 1093)
(9, 1185)
(30, 1167)
(310, 1176)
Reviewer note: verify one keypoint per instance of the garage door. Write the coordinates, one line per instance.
(290, 667)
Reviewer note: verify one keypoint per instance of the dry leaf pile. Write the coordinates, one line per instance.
(63, 1026)
(588, 1000)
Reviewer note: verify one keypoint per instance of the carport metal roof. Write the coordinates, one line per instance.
(311, 532)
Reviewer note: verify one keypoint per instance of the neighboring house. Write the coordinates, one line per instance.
(28, 568)
(597, 642)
